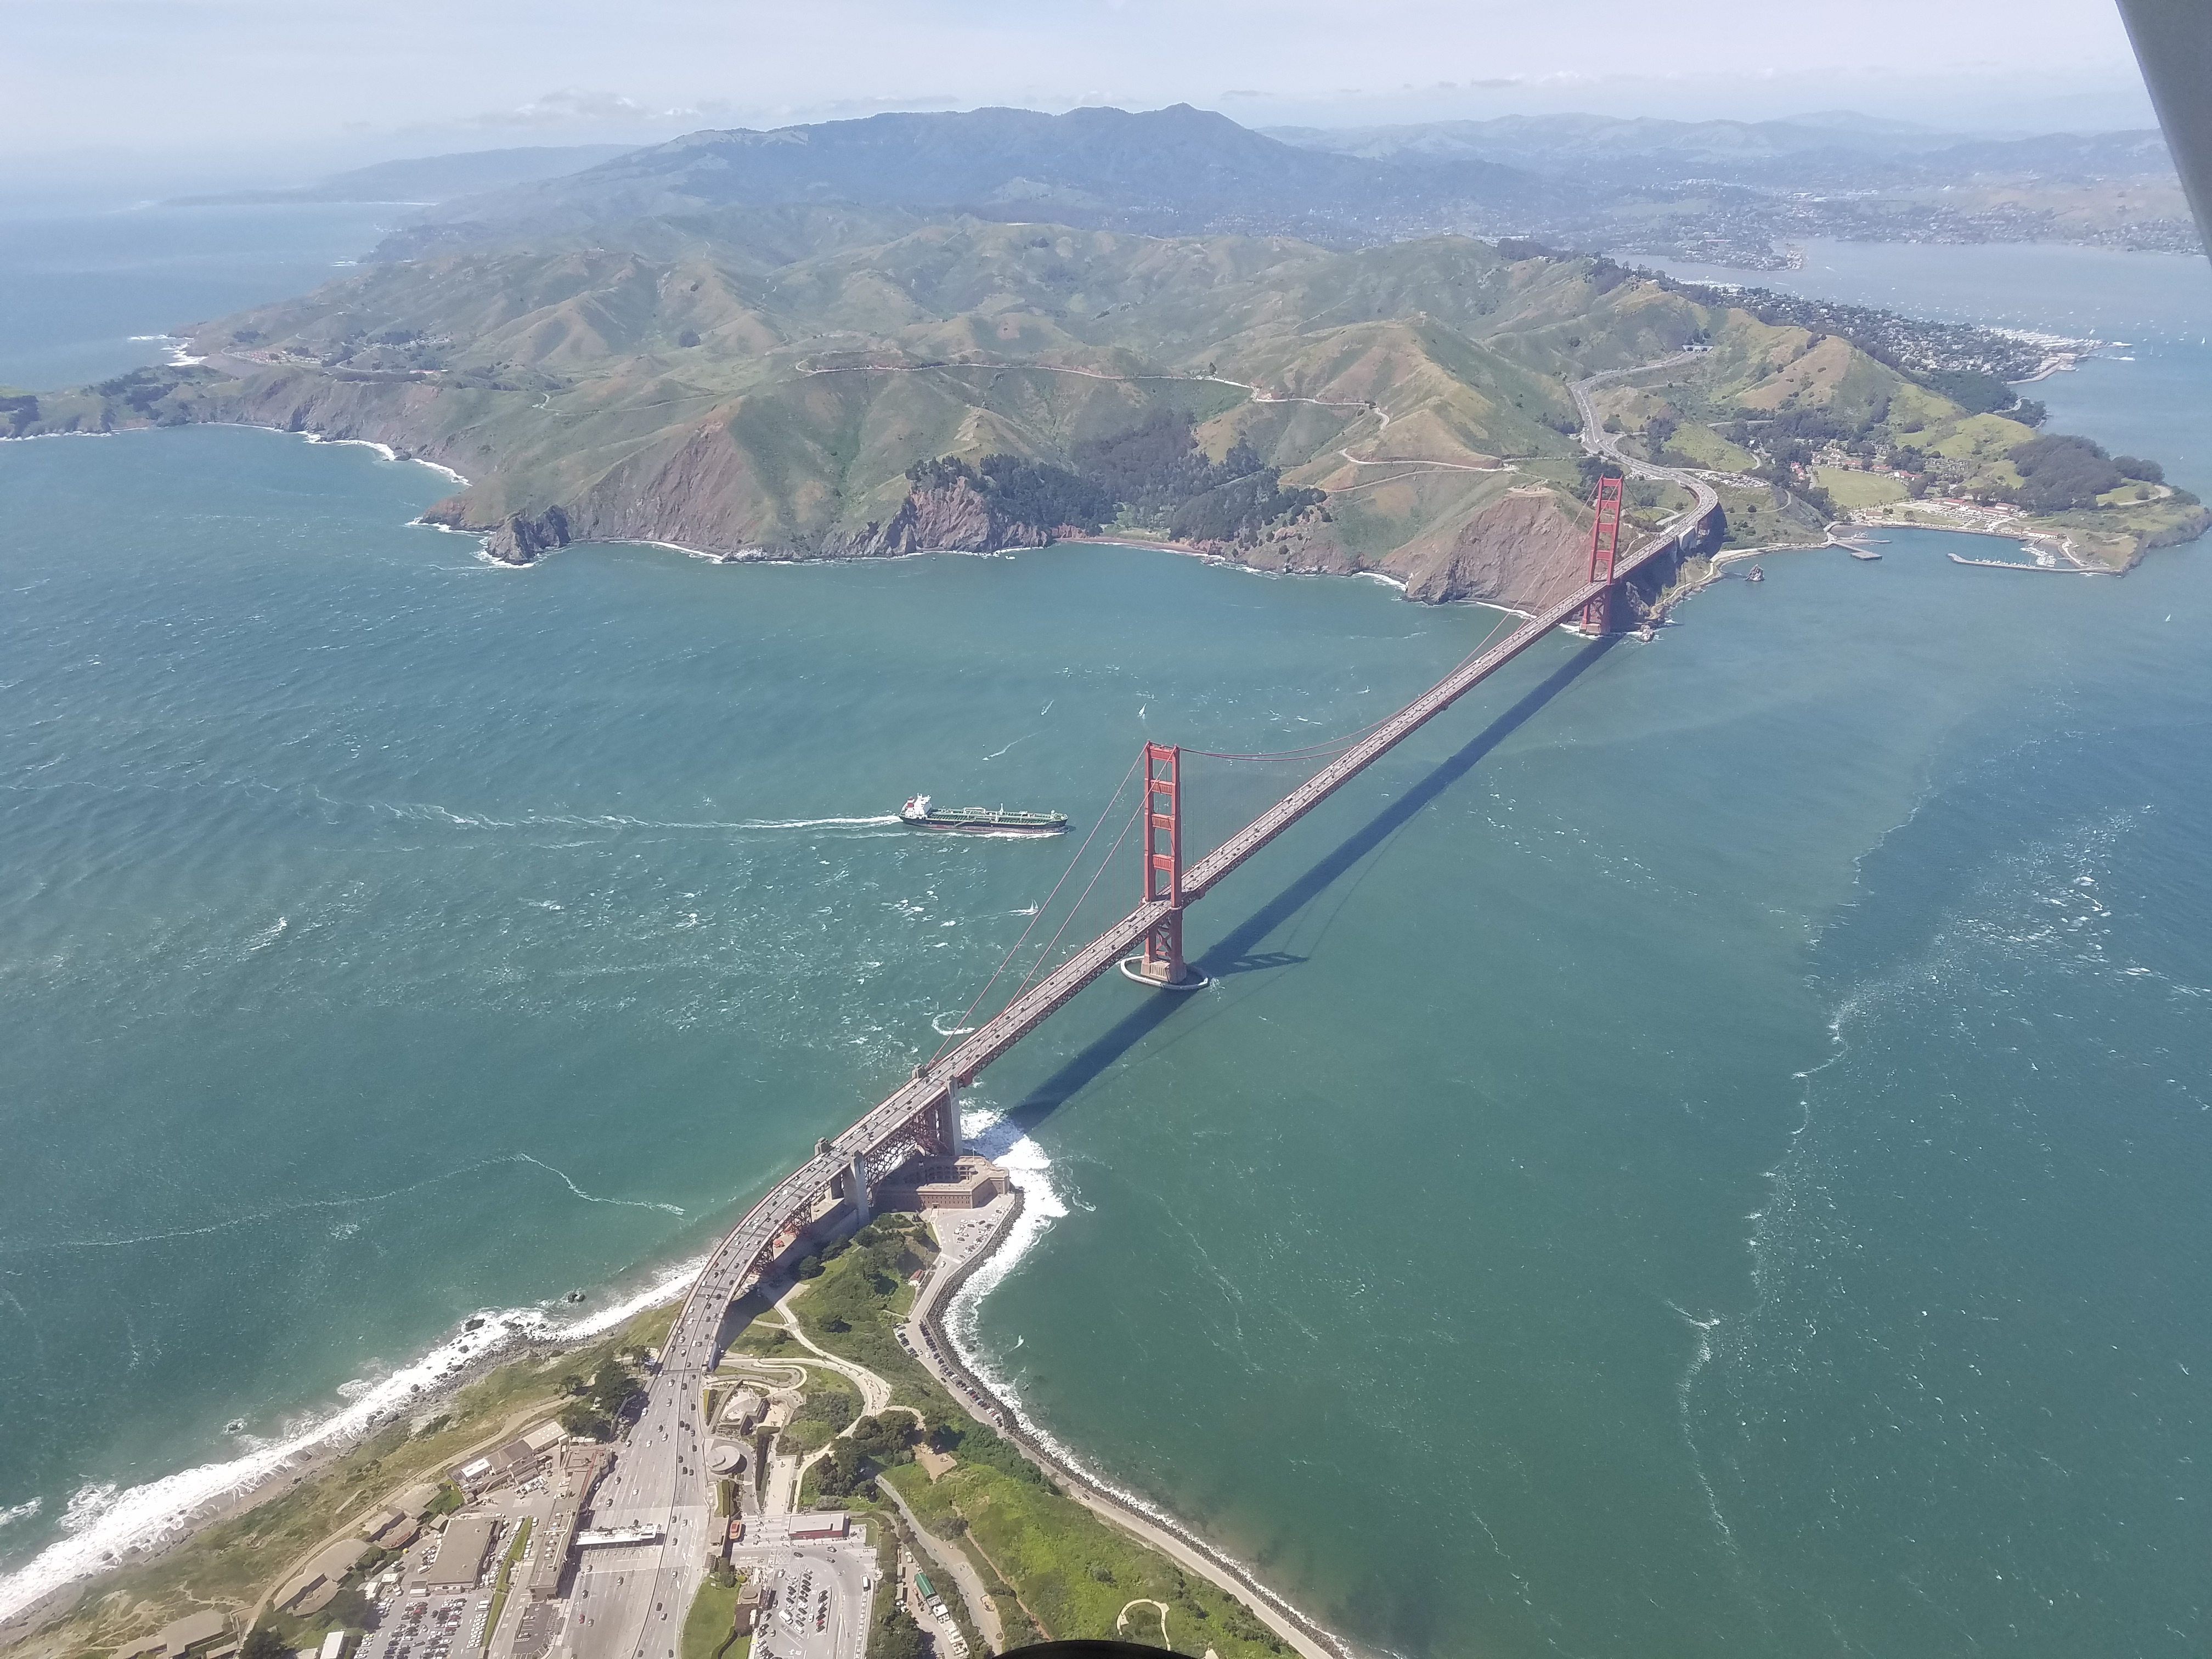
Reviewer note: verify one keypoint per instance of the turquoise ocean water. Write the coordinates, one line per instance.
(1701, 1151)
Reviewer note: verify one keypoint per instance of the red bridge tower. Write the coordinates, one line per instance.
(1161, 963)
(1604, 547)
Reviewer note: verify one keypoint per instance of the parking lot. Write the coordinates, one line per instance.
(814, 1600)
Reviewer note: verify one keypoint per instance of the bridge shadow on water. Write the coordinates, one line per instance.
(1237, 951)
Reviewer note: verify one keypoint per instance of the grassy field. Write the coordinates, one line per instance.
(710, 1628)
(1768, 518)
(831, 1404)
(1848, 489)
(1072, 1571)
(232, 1563)
(851, 1310)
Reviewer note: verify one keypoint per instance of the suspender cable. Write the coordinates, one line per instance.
(1098, 823)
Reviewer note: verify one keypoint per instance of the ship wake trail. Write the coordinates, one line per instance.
(592, 1198)
(878, 821)
(429, 813)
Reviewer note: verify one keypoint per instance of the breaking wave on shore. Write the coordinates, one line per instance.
(107, 1525)
(985, 1130)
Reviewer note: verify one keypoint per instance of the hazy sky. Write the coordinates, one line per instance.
(286, 84)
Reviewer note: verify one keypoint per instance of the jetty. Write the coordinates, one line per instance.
(2046, 569)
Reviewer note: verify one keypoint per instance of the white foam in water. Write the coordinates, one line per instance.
(384, 450)
(984, 1130)
(987, 1132)
(105, 1524)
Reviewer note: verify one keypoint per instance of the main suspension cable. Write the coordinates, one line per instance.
(1076, 908)
(1307, 752)
(1037, 914)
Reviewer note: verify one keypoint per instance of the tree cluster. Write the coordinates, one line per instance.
(976, 1442)
(1980, 393)
(592, 1412)
(873, 1444)
(1022, 491)
(1592, 468)
(2058, 472)
(141, 389)
(1155, 466)
(896, 1636)
(1156, 470)
(1242, 507)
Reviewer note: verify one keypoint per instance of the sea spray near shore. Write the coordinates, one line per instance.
(106, 1525)
(383, 452)
(985, 1130)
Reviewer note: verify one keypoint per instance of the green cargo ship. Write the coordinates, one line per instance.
(919, 814)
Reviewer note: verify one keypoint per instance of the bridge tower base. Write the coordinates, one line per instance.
(856, 1187)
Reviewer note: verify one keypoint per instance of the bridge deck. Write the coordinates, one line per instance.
(741, 1253)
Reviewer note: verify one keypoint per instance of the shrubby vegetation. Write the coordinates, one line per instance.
(2057, 472)
(591, 1414)
(1154, 472)
(1241, 507)
(1022, 491)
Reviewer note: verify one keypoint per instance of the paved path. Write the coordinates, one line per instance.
(875, 1392)
(875, 1397)
(948, 1559)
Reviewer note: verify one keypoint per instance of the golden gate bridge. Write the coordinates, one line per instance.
(921, 1118)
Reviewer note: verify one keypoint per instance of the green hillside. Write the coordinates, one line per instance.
(774, 382)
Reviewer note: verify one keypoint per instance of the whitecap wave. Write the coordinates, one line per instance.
(985, 1130)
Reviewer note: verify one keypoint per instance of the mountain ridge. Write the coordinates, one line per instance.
(1177, 170)
(425, 179)
(1718, 190)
